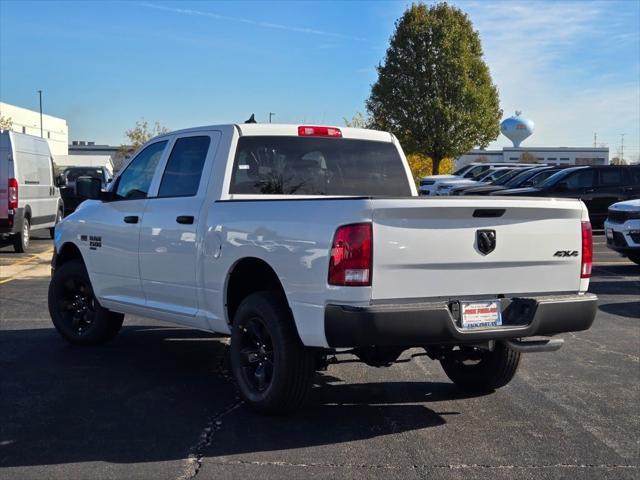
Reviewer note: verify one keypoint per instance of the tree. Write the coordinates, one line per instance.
(6, 123)
(357, 121)
(528, 157)
(421, 166)
(434, 90)
(138, 136)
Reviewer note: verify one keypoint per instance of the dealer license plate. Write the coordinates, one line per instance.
(481, 314)
(610, 233)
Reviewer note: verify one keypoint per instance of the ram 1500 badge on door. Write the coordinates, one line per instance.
(303, 242)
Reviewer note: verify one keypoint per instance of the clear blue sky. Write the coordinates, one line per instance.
(573, 67)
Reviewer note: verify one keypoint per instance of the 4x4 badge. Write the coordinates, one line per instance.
(486, 241)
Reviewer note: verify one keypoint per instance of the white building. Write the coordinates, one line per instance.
(54, 129)
(550, 155)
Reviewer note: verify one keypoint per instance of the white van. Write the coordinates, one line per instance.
(29, 194)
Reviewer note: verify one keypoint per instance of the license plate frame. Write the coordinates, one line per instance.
(480, 314)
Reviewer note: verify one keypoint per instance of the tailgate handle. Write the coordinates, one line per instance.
(488, 212)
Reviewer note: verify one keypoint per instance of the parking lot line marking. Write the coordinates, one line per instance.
(23, 261)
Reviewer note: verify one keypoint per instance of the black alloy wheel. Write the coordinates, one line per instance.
(256, 350)
(77, 304)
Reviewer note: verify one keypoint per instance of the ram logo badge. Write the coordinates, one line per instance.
(566, 253)
(486, 241)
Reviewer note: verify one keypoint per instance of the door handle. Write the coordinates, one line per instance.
(590, 190)
(131, 219)
(185, 219)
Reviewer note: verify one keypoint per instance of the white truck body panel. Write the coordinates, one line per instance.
(422, 247)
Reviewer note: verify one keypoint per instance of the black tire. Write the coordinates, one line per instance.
(490, 369)
(271, 366)
(635, 259)
(52, 231)
(75, 311)
(22, 239)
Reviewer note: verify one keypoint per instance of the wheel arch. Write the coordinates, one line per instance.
(246, 276)
(68, 251)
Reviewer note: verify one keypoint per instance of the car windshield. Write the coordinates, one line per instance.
(503, 179)
(477, 171)
(318, 166)
(537, 179)
(555, 178)
(521, 177)
(462, 171)
(72, 174)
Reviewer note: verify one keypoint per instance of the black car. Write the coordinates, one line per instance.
(597, 186)
(530, 177)
(71, 174)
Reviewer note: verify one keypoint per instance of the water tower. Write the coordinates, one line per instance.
(517, 128)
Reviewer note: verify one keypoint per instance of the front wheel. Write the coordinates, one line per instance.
(476, 370)
(635, 259)
(75, 311)
(271, 366)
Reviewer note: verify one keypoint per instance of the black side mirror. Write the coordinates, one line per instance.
(88, 188)
(60, 180)
(562, 187)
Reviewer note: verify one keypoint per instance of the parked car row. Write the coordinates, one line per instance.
(597, 186)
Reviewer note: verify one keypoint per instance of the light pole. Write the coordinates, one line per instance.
(271, 114)
(40, 94)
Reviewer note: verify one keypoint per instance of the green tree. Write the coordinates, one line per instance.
(138, 136)
(434, 90)
(357, 121)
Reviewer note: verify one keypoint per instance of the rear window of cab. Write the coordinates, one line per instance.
(272, 165)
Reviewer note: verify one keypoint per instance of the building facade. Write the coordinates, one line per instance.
(54, 129)
(549, 155)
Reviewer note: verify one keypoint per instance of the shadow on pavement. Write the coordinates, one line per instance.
(612, 287)
(624, 309)
(147, 395)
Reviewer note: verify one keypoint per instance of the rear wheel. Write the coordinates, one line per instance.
(271, 366)
(635, 259)
(75, 311)
(21, 240)
(477, 370)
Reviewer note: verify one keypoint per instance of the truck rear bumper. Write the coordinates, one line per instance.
(417, 324)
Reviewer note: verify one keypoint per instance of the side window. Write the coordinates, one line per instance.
(581, 179)
(182, 175)
(135, 180)
(610, 177)
(631, 176)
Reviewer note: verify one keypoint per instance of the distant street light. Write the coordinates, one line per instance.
(271, 114)
(40, 94)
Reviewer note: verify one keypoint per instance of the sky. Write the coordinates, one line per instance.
(573, 67)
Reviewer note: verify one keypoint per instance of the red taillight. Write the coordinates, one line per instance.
(351, 259)
(13, 194)
(587, 251)
(309, 131)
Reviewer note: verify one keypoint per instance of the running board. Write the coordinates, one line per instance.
(530, 346)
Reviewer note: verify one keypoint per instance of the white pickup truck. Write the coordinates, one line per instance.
(307, 242)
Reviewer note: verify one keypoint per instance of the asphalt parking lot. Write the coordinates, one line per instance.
(156, 403)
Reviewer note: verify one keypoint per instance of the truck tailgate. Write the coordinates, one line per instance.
(428, 248)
